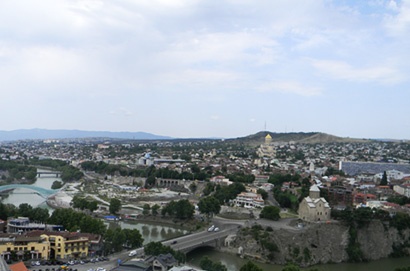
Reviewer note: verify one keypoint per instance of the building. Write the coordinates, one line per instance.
(267, 148)
(23, 224)
(402, 189)
(25, 247)
(313, 207)
(66, 245)
(339, 196)
(249, 200)
(161, 262)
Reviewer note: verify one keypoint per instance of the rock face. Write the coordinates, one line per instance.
(318, 243)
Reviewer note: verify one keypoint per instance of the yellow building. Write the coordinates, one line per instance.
(67, 245)
(267, 149)
(25, 247)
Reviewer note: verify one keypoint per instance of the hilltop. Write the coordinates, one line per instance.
(300, 137)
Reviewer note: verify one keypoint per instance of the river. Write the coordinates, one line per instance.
(156, 232)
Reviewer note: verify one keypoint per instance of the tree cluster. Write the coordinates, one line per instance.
(270, 212)
(116, 239)
(83, 203)
(209, 265)
(181, 209)
(25, 210)
(72, 221)
(17, 171)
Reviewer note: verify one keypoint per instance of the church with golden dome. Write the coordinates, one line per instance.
(267, 149)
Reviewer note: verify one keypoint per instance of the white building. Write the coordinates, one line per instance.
(249, 200)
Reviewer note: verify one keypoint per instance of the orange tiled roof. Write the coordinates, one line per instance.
(18, 267)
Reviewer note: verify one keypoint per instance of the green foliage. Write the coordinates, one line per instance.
(278, 179)
(384, 179)
(270, 212)
(402, 269)
(226, 193)
(250, 266)
(154, 209)
(57, 185)
(157, 248)
(34, 214)
(332, 171)
(115, 206)
(82, 203)
(209, 265)
(181, 209)
(209, 206)
(286, 199)
(72, 220)
(146, 209)
(263, 193)
(401, 200)
(68, 172)
(241, 177)
(114, 239)
(353, 249)
(8, 210)
(209, 188)
(18, 171)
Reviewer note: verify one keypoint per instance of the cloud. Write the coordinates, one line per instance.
(290, 87)
(385, 74)
(214, 117)
(398, 22)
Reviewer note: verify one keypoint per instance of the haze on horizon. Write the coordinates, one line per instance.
(206, 68)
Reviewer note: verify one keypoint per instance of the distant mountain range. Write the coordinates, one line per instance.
(254, 139)
(33, 134)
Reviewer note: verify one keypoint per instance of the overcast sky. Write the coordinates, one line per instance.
(211, 68)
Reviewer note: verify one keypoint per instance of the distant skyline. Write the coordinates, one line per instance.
(196, 69)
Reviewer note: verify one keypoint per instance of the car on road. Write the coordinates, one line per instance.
(216, 229)
(174, 242)
(132, 253)
(211, 228)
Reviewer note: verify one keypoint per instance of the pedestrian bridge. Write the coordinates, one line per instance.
(43, 192)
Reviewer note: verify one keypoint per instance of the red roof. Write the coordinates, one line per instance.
(18, 267)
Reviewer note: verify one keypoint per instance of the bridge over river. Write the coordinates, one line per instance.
(43, 192)
(192, 241)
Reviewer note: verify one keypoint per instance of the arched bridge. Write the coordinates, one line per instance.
(204, 238)
(44, 192)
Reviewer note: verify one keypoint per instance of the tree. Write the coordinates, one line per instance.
(270, 212)
(146, 208)
(263, 193)
(209, 206)
(154, 209)
(133, 238)
(56, 185)
(250, 266)
(150, 181)
(384, 179)
(115, 206)
(209, 265)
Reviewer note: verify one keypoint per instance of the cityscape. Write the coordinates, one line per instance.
(204, 135)
(258, 198)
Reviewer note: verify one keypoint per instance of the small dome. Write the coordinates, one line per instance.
(268, 136)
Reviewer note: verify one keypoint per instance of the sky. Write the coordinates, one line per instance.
(207, 68)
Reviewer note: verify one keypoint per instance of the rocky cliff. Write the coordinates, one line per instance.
(320, 243)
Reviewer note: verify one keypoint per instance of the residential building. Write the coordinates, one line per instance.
(249, 200)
